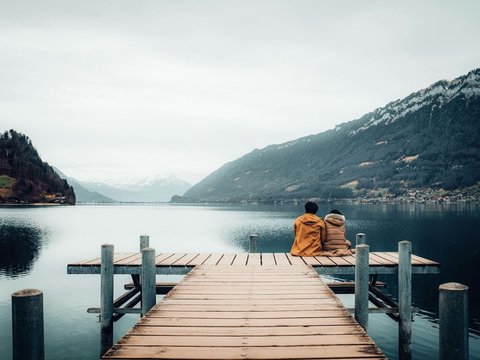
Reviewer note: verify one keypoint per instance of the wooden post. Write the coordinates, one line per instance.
(106, 299)
(404, 300)
(148, 279)
(361, 284)
(144, 242)
(27, 325)
(360, 238)
(453, 318)
(253, 243)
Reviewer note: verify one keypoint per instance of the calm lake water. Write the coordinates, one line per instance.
(36, 243)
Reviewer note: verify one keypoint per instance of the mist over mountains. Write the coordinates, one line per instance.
(428, 141)
(146, 190)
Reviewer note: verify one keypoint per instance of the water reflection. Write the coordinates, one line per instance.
(20, 245)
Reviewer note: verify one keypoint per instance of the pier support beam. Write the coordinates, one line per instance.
(360, 238)
(253, 243)
(148, 279)
(27, 325)
(106, 299)
(453, 318)
(405, 300)
(361, 284)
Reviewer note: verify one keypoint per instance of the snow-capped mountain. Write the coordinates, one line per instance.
(155, 189)
(428, 140)
(438, 94)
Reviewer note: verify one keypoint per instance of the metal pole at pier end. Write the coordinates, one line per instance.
(106, 299)
(27, 325)
(453, 319)
(361, 284)
(360, 238)
(144, 242)
(148, 279)
(405, 300)
(253, 243)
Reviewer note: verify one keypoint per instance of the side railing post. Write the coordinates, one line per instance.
(360, 238)
(27, 325)
(148, 280)
(253, 243)
(405, 300)
(361, 284)
(106, 298)
(453, 319)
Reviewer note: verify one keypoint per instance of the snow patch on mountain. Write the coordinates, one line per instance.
(439, 93)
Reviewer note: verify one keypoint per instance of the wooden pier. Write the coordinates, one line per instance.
(182, 263)
(259, 311)
(247, 305)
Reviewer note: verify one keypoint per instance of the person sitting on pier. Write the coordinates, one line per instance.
(309, 231)
(335, 243)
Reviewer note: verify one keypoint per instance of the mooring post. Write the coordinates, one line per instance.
(106, 299)
(405, 300)
(148, 280)
(144, 242)
(360, 238)
(453, 318)
(253, 243)
(27, 325)
(361, 284)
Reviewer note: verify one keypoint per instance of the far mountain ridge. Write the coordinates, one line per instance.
(428, 140)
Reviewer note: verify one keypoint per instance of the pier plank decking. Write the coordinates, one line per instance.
(259, 310)
(182, 263)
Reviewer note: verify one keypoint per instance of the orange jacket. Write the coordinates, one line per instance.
(309, 230)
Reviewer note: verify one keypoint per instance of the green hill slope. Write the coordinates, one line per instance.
(25, 178)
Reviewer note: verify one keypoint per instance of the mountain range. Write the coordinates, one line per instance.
(156, 189)
(428, 141)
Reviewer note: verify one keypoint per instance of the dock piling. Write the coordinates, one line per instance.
(27, 325)
(405, 300)
(148, 279)
(106, 298)
(253, 243)
(361, 284)
(453, 319)
(144, 242)
(360, 238)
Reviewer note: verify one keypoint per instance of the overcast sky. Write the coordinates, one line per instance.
(109, 89)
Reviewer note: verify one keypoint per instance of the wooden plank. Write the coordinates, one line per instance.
(172, 260)
(200, 259)
(227, 259)
(245, 314)
(281, 259)
(339, 261)
(325, 261)
(246, 330)
(188, 259)
(254, 259)
(125, 260)
(214, 259)
(294, 260)
(424, 260)
(240, 259)
(380, 260)
(310, 260)
(255, 296)
(237, 341)
(268, 259)
(267, 352)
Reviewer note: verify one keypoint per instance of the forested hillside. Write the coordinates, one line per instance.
(25, 178)
(427, 142)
